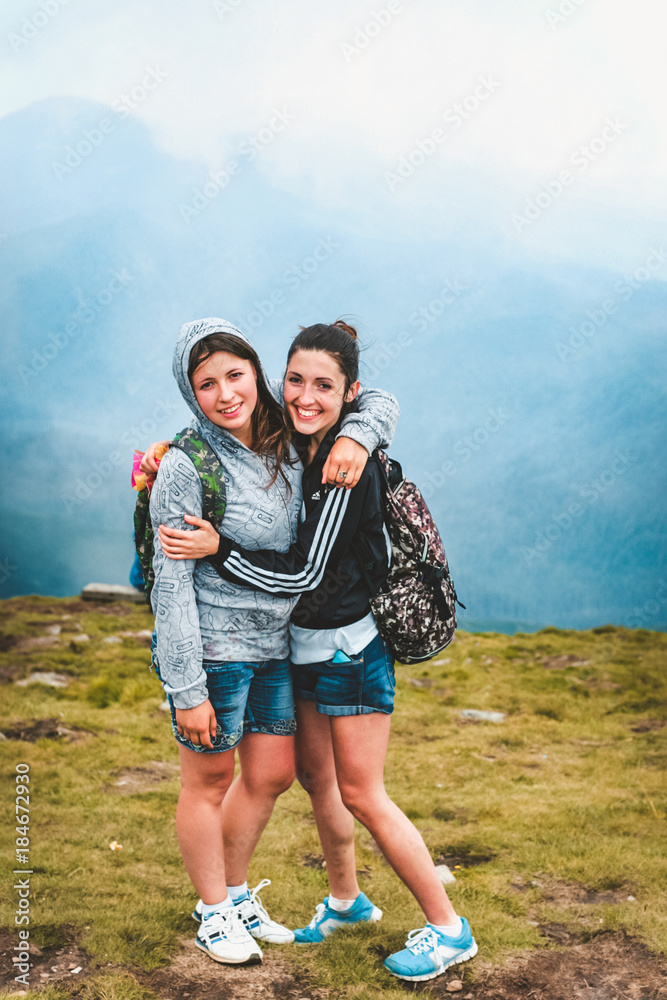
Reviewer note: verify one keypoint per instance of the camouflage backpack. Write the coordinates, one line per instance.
(214, 498)
(415, 608)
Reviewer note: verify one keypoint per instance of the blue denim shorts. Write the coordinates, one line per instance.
(246, 698)
(363, 685)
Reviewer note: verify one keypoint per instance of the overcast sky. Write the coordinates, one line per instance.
(544, 87)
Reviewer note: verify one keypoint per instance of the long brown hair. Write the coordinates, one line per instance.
(271, 434)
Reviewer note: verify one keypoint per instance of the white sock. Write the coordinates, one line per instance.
(209, 908)
(451, 930)
(238, 892)
(339, 905)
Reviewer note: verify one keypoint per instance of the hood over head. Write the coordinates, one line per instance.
(191, 334)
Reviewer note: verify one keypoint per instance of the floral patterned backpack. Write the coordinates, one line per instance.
(415, 608)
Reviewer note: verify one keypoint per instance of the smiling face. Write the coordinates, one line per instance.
(315, 392)
(226, 389)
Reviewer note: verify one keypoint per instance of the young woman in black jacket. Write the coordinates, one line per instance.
(342, 672)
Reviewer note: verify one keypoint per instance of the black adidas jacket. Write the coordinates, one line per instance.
(324, 563)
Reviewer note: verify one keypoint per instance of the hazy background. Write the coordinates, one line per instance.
(479, 185)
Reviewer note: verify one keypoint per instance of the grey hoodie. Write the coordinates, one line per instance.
(199, 616)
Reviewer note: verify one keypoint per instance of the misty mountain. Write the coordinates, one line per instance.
(532, 413)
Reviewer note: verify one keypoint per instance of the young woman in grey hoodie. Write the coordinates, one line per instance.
(221, 648)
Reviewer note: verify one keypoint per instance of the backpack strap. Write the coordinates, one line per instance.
(214, 499)
(390, 470)
(210, 471)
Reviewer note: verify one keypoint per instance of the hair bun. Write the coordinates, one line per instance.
(342, 325)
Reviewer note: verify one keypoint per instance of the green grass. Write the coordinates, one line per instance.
(563, 793)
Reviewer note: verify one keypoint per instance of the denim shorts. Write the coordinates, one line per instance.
(363, 685)
(246, 698)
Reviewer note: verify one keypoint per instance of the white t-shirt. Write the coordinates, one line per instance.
(309, 645)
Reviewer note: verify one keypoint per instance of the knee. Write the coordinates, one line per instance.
(312, 782)
(358, 801)
(270, 784)
(282, 781)
(211, 789)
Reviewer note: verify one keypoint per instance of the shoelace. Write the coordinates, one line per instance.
(256, 901)
(226, 923)
(423, 939)
(319, 910)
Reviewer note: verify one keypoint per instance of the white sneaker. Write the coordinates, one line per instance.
(256, 919)
(223, 937)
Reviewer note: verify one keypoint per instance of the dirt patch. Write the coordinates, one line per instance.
(571, 893)
(563, 661)
(428, 684)
(100, 608)
(598, 684)
(146, 778)
(10, 671)
(313, 861)
(24, 644)
(193, 976)
(74, 607)
(48, 965)
(462, 860)
(561, 933)
(648, 725)
(447, 814)
(611, 966)
(45, 729)
(190, 975)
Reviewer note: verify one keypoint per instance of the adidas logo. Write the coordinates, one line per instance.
(316, 496)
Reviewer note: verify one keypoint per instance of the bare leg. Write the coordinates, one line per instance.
(267, 770)
(317, 773)
(205, 779)
(360, 746)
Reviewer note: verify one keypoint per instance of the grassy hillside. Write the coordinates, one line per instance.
(553, 820)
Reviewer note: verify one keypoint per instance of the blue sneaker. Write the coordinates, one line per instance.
(326, 920)
(428, 953)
